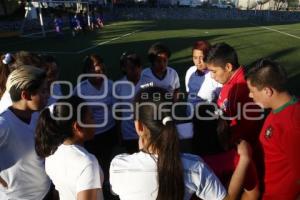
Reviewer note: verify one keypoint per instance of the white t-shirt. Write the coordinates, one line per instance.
(208, 90)
(134, 177)
(102, 113)
(72, 169)
(5, 102)
(20, 167)
(169, 82)
(125, 91)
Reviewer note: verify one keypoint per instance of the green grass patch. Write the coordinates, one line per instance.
(251, 41)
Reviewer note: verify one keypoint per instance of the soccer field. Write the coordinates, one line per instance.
(252, 41)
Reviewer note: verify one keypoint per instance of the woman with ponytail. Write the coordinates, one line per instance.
(158, 171)
(60, 134)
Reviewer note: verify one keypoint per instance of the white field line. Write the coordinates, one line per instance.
(110, 40)
(95, 46)
(40, 37)
(281, 32)
(53, 30)
(288, 29)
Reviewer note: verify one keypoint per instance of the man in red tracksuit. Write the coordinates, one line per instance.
(243, 116)
(240, 118)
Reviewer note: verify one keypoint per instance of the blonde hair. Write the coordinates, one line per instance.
(25, 77)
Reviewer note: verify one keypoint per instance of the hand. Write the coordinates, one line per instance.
(244, 150)
(3, 183)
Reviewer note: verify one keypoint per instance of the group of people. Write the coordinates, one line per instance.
(79, 21)
(237, 139)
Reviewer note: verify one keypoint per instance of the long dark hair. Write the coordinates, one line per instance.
(53, 128)
(90, 61)
(163, 139)
(156, 49)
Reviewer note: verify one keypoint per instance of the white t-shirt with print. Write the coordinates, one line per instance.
(134, 177)
(169, 82)
(102, 113)
(72, 169)
(20, 167)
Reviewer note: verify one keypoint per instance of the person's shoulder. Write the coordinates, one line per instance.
(295, 114)
(136, 161)
(190, 71)
(146, 71)
(192, 162)
(208, 77)
(5, 101)
(240, 75)
(78, 153)
(190, 157)
(211, 80)
(5, 118)
(171, 70)
(122, 161)
(81, 84)
(146, 75)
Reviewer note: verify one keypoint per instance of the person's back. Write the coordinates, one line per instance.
(159, 171)
(135, 177)
(59, 138)
(69, 163)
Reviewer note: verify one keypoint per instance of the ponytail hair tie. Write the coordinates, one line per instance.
(166, 119)
(7, 59)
